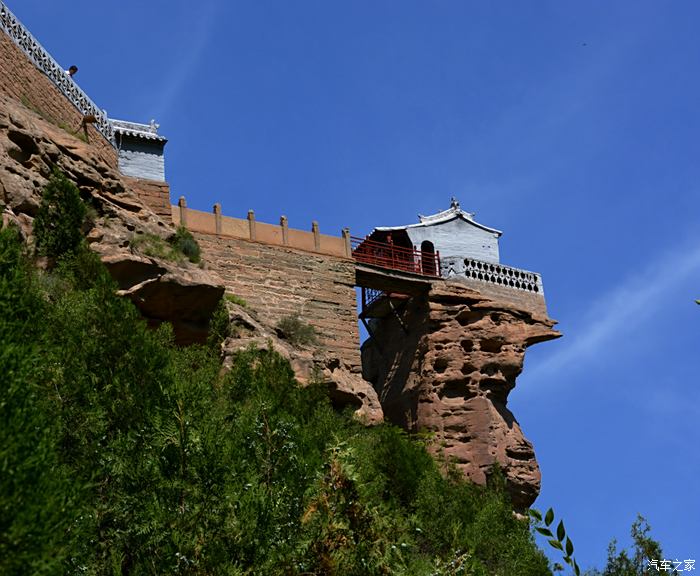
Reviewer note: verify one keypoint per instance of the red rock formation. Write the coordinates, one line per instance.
(164, 290)
(449, 371)
(177, 291)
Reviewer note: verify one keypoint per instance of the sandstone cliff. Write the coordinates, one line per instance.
(447, 367)
(126, 222)
(164, 290)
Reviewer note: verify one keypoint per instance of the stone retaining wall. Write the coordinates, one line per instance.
(154, 194)
(278, 281)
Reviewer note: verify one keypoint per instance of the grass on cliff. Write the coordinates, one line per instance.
(123, 454)
(175, 249)
(78, 133)
(298, 332)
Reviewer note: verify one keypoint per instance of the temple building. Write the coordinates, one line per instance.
(140, 149)
(452, 232)
(451, 245)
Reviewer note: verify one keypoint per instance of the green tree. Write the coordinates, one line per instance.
(57, 226)
(38, 499)
(634, 562)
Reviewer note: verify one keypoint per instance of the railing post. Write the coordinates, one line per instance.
(251, 224)
(348, 245)
(217, 217)
(390, 241)
(285, 230)
(182, 203)
(317, 236)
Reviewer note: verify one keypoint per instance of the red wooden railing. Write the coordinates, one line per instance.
(388, 255)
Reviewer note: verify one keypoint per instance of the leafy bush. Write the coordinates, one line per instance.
(154, 246)
(299, 333)
(185, 243)
(38, 501)
(633, 562)
(58, 223)
(219, 325)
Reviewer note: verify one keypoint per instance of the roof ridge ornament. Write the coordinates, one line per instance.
(454, 203)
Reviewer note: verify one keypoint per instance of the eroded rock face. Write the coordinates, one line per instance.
(164, 290)
(450, 372)
(310, 363)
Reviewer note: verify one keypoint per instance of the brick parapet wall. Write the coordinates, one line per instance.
(156, 195)
(214, 223)
(278, 281)
(22, 81)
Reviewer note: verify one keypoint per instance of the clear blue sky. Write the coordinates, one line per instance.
(572, 126)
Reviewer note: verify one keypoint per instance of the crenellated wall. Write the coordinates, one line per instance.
(250, 229)
(281, 271)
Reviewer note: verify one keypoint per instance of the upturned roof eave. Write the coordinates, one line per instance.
(141, 135)
(440, 220)
(137, 130)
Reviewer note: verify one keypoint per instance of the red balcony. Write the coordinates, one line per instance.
(394, 257)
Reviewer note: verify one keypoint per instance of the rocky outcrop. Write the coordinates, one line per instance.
(163, 289)
(448, 367)
(310, 362)
(126, 232)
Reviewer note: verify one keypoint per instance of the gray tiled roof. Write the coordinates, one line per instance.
(136, 130)
(453, 212)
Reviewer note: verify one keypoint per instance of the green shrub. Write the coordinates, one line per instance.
(299, 333)
(154, 246)
(219, 325)
(58, 223)
(39, 500)
(235, 299)
(634, 561)
(185, 243)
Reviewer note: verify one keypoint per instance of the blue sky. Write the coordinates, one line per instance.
(571, 126)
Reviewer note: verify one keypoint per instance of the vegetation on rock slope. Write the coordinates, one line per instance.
(123, 454)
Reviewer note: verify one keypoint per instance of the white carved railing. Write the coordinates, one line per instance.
(45, 62)
(492, 273)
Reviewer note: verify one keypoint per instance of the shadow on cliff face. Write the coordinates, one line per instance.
(391, 358)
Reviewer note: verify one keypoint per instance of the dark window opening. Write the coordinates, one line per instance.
(427, 258)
